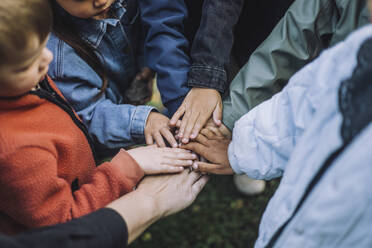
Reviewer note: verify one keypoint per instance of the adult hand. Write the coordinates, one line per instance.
(199, 105)
(157, 197)
(157, 128)
(172, 193)
(155, 160)
(213, 148)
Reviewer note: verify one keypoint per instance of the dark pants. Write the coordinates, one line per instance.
(257, 20)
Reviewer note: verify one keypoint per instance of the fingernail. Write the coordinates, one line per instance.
(193, 136)
(195, 166)
(175, 145)
(194, 156)
(185, 140)
(190, 162)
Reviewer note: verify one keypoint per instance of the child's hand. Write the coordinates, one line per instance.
(157, 128)
(198, 106)
(156, 160)
(213, 148)
(221, 130)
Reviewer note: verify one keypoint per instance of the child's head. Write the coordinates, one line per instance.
(86, 8)
(24, 29)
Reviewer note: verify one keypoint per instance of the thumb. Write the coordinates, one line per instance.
(217, 114)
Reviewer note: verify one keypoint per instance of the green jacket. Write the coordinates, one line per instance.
(307, 28)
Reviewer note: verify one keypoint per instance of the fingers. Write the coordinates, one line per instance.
(170, 169)
(159, 139)
(167, 134)
(180, 154)
(217, 114)
(179, 113)
(196, 147)
(199, 185)
(192, 178)
(213, 168)
(202, 139)
(189, 120)
(201, 121)
(178, 157)
(149, 139)
(211, 133)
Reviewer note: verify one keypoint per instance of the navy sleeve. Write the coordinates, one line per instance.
(212, 44)
(104, 228)
(166, 48)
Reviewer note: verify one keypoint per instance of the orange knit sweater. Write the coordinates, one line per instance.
(44, 153)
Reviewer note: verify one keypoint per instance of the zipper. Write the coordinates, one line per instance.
(45, 91)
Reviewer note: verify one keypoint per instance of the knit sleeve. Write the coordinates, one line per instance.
(34, 192)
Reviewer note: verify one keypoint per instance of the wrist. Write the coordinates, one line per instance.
(152, 206)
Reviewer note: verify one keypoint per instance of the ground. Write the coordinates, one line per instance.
(221, 217)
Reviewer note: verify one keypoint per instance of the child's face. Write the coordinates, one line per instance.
(96, 9)
(19, 78)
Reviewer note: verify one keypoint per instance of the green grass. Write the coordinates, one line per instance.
(220, 217)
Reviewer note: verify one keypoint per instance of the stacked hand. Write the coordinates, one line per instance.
(198, 119)
(156, 160)
(212, 144)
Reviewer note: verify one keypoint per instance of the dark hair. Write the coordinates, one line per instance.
(18, 20)
(66, 31)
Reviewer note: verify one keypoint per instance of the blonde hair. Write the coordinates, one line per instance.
(18, 20)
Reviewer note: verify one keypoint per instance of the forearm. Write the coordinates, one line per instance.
(212, 45)
(139, 212)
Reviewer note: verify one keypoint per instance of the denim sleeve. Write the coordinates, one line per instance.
(165, 48)
(111, 125)
(212, 45)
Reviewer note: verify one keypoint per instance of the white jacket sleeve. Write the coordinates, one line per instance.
(264, 138)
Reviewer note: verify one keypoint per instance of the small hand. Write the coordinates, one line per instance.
(198, 106)
(157, 128)
(156, 160)
(213, 148)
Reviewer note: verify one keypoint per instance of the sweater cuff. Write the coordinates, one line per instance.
(127, 170)
(205, 76)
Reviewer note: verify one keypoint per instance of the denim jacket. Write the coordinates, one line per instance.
(210, 52)
(120, 43)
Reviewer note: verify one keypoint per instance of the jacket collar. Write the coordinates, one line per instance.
(93, 30)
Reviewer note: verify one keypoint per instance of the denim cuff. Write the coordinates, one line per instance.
(205, 76)
(138, 123)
